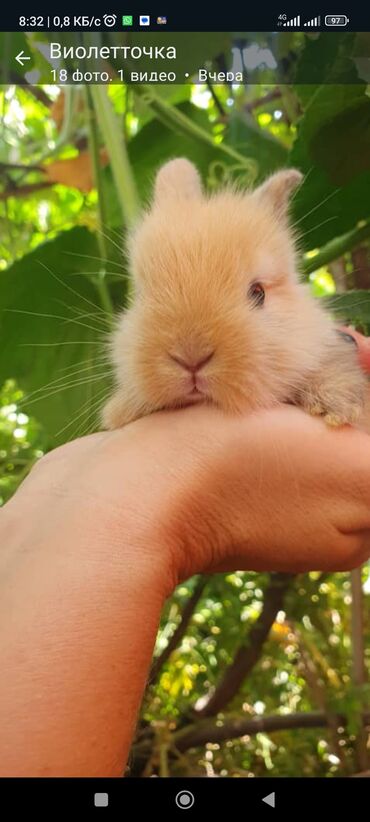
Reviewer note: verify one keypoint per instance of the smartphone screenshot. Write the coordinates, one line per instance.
(185, 410)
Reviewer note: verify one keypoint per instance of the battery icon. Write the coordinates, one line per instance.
(336, 20)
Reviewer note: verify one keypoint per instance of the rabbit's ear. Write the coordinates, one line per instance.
(277, 189)
(177, 180)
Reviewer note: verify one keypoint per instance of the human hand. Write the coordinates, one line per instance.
(197, 490)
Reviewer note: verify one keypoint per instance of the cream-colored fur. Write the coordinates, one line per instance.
(193, 259)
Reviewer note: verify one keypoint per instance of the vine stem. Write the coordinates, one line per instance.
(335, 249)
(178, 121)
(117, 150)
(100, 281)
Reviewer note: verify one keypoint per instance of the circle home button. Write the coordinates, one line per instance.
(184, 800)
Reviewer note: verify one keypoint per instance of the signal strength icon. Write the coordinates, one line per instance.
(295, 21)
(315, 22)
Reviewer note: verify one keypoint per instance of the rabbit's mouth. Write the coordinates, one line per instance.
(195, 395)
(190, 390)
(198, 388)
(192, 397)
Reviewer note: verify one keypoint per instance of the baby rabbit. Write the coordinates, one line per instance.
(219, 315)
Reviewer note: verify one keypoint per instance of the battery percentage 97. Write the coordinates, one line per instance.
(334, 20)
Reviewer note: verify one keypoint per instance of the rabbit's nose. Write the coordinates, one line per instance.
(192, 365)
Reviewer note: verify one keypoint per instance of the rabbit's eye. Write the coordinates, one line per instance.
(256, 293)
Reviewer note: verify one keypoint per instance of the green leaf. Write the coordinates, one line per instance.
(348, 129)
(46, 340)
(320, 57)
(353, 307)
(247, 137)
(335, 194)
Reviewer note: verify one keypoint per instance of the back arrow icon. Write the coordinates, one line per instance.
(21, 57)
(270, 799)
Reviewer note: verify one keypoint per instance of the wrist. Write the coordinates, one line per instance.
(85, 588)
(111, 521)
(82, 534)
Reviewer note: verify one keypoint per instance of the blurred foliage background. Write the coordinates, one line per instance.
(253, 674)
